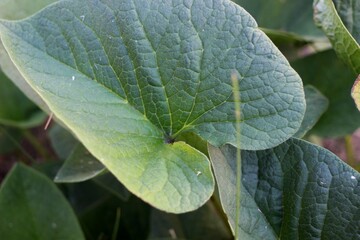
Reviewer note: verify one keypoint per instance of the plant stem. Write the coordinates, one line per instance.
(236, 93)
(116, 225)
(350, 156)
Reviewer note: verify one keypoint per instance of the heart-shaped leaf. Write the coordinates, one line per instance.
(128, 77)
(31, 207)
(296, 190)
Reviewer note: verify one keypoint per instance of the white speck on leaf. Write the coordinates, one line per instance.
(198, 173)
(53, 225)
(82, 17)
(259, 210)
(353, 177)
(73, 78)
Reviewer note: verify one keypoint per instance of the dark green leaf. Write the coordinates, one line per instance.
(253, 223)
(31, 207)
(302, 191)
(132, 75)
(110, 183)
(204, 223)
(9, 137)
(62, 141)
(14, 10)
(344, 44)
(79, 166)
(316, 105)
(294, 16)
(333, 79)
(15, 109)
(349, 12)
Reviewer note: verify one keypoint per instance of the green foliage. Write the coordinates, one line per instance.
(316, 105)
(345, 45)
(29, 208)
(328, 74)
(79, 166)
(284, 16)
(141, 95)
(294, 191)
(12, 114)
(153, 100)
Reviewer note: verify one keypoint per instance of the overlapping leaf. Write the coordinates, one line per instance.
(13, 10)
(32, 207)
(316, 105)
(79, 166)
(294, 191)
(15, 109)
(284, 16)
(349, 12)
(333, 79)
(347, 48)
(127, 77)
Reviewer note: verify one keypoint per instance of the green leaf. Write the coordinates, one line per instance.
(301, 191)
(355, 92)
(18, 9)
(253, 223)
(9, 138)
(316, 105)
(111, 184)
(62, 141)
(79, 166)
(284, 16)
(31, 207)
(133, 75)
(326, 17)
(14, 10)
(349, 12)
(204, 223)
(15, 109)
(333, 79)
